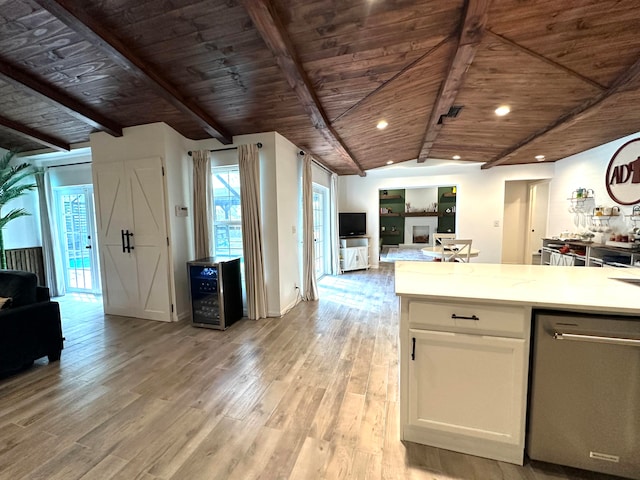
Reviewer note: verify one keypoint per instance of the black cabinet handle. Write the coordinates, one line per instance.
(124, 248)
(413, 348)
(460, 317)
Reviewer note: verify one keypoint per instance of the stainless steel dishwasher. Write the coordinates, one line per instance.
(584, 405)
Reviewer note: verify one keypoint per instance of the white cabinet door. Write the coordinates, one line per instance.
(362, 257)
(468, 385)
(130, 196)
(349, 261)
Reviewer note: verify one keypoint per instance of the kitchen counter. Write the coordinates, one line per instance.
(537, 286)
(465, 335)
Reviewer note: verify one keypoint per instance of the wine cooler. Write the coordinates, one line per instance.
(216, 292)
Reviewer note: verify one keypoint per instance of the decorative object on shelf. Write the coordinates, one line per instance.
(611, 211)
(582, 193)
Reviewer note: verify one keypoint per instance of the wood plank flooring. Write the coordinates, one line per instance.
(312, 395)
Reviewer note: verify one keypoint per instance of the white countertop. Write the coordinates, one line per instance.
(540, 286)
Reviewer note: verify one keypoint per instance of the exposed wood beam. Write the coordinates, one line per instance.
(72, 14)
(471, 33)
(20, 79)
(389, 82)
(34, 135)
(584, 110)
(272, 30)
(546, 60)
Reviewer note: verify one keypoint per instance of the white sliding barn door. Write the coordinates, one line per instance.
(130, 197)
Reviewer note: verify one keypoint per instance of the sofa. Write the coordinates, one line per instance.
(30, 326)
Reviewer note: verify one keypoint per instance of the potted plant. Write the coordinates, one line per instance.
(12, 187)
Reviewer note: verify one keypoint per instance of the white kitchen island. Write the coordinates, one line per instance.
(464, 345)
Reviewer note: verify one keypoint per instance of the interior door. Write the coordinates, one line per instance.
(130, 198)
(537, 218)
(146, 187)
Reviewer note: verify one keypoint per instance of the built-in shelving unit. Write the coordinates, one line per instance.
(392, 221)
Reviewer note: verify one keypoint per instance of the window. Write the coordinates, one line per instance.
(227, 216)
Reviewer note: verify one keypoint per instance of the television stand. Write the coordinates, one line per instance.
(354, 253)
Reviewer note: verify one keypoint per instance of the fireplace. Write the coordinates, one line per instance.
(420, 234)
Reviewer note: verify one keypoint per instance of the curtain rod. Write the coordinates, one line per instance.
(67, 165)
(259, 145)
(301, 152)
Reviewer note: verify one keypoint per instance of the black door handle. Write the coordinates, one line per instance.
(413, 348)
(126, 248)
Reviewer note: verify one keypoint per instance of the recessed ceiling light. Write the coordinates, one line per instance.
(502, 111)
(456, 157)
(389, 162)
(382, 124)
(540, 158)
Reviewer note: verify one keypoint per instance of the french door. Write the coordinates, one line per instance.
(76, 221)
(320, 230)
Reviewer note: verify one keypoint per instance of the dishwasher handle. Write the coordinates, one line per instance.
(576, 337)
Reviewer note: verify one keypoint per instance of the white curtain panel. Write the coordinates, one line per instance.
(202, 203)
(249, 166)
(310, 286)
(334, 234)
(50, 243)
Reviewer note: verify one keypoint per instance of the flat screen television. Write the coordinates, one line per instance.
(352, 224)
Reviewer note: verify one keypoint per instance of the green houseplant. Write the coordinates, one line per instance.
(12, 187)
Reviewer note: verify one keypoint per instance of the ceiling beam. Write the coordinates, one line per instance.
(34, 135)
(272, 30)
(546, 60)
(584, 110)
(471, 33)
(18, 78)
(77, 19)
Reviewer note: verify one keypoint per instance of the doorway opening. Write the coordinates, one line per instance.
(526, 207)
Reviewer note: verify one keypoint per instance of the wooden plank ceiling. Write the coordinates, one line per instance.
(323, 73)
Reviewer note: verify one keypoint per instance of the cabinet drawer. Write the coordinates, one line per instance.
(469, 318)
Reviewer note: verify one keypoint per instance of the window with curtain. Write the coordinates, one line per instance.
(227, 216)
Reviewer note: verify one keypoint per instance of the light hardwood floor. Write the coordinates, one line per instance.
(311, 395)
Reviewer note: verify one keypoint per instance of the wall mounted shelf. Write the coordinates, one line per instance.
(420, 214)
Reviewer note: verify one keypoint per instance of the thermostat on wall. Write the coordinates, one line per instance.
(181, 211)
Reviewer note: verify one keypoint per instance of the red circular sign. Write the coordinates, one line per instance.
(623, 174)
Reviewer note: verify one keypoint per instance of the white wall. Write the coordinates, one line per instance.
(22, 232)
(587, 170)
(479, 200)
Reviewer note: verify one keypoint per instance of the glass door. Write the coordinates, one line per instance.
(76, 224)
(320, 230)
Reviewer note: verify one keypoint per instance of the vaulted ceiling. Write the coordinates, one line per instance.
(324, 72)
